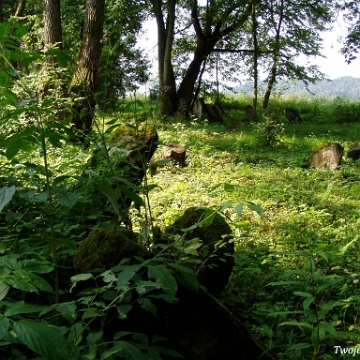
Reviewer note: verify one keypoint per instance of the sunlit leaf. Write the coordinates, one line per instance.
(6, 194)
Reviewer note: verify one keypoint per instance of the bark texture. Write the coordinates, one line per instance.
(84, 80)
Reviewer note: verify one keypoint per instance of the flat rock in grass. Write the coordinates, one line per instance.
(354, 152)
(328, 157)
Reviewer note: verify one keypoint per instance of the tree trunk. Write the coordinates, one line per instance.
(276, 57)
(256, 53)
(84, 80)
(167, 83)
(20, 8)
(52, 23)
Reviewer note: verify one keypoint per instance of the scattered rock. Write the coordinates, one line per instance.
(177, 153)
(354, 152)
(292, 115)
(217, 249)
(103, 249)
(250, 112)
(327, 157)
(202, 110)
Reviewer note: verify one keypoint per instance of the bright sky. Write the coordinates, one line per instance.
(334, 65)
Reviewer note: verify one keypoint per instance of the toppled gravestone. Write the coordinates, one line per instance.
(354, 152)
(176, 152)
(327, 157)
(197, 325)
(216, 251)
(200, 110)
(103, 249)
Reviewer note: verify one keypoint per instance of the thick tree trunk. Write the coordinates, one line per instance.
(167, 83)
(84, 80)
(52, 23)
(186, 88)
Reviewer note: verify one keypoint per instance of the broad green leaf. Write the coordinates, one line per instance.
(192, 245)
(307, 302)
(328, 328)
(147, 305)
(229, 187)
(239, 208)
(109, 192)
(127, 274)
(36, 266)
(43, 339)
(321, 254)
(68, 308)
(23, 308)
(91, 313)
(10, 96)
(208, 217)
(186, 277)
(94, 337)
(67, 198)
(4, 289)
(163, 275)
(20, 280)
(6, 193)
(255, 207)
(81, 277)
(9, 262)
(311, 265)
(132, 195)
(303, 294)
(155, 350)
(124, 349)
(40, 283)
(4, 326)
(191, 228)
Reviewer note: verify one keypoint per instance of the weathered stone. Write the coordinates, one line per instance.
(201, 110)
(327, 157)
(103, 249)
(250, 112)
(217, 249)
(292, 115)
(139, 139)
(354, 152)
(177, 153)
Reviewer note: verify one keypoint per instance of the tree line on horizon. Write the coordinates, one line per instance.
(345, 87)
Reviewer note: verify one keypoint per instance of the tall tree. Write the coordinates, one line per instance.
(84, 81)
(293, 29)
(210, 24)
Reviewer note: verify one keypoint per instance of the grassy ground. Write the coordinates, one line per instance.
(295, 279)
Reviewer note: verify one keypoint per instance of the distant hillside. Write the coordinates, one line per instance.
(345, 87)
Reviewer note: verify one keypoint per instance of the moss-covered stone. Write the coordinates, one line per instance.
(103, 249)
(214, 232)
